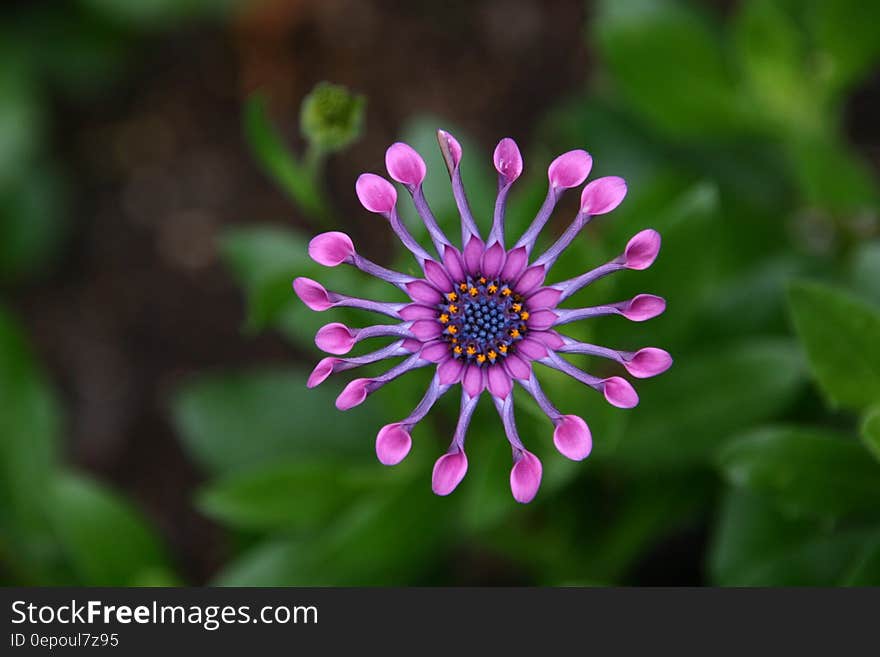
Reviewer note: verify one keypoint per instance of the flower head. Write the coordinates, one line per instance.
(482, 314)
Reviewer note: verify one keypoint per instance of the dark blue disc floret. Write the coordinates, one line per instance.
(483, 319)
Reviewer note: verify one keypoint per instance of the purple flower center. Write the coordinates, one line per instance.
(482, 319)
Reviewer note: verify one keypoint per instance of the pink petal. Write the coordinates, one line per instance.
(449, 470)
(353, 394)
(322, 370)
(473, 381)
(450, 148)
(541, 319)
(643, 307)
(517, 367)
(530, 280)
(437, 275)
(602, 195)
(516, 262)
(404, 164)
(619, 392)
(492, 261)
(452, 262)
(436, 352)
(331, 249)
(412, 345)
(572, 438)
(449, 371)
(473, 253)
(426, 329)
(570, 169)
(335, 338)
(550, 338)
(312, 293)
(531, 348)
(642, 249)
(393, 443)
(500, 383)
(648, 362)
(546, 297)
(417, 311)
(423, 292)
(508, 160)
(525, 477)
(375, 193)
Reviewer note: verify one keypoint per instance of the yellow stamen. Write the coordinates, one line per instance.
(454, 340)
(452, 329)
(514, 333)
(462, 286)
(453, 308)
(452, 296)
(506, 292)
(471, 350)
(457, 349)
(524, 315)
(444, 318)
(492, 289)
(481, 358)
(502, 348)
(492, 355)
(516, 307)
(483, 280)
(473, 291)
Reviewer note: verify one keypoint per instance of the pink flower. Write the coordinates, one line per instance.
(481, 315)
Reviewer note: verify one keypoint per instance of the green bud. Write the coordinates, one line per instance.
(331, 117)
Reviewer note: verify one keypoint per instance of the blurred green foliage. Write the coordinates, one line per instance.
(59, 526)
(762, 443)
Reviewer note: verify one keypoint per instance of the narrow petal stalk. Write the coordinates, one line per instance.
(566, 171)
(330, 365)
(316, 297)
(642, 364)
(451, 150)
(450, 468)
(638, 309)
(356, 392)
(617, 391)
(525, 476)
(337, 338)
(508, 162)
(394, 441)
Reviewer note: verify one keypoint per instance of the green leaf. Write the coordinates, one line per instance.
(772, 50)
(841, 336)
(669, 64)
(384, 540)
(29, 427)
(755, 545)
(846, 35)
(296, 495)
(689, 412)
(230, 422)
(105, 539)
(22, 119)
(832, 175)
(31, 225)
(864, 272)
(805, 471)
(871, 431)
(294, 178)
(265, 260)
